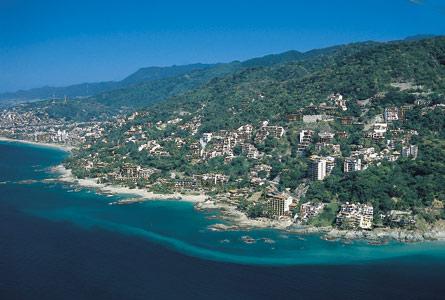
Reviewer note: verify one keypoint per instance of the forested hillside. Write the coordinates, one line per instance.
(375, 107)
(357, 71)
(151, 85)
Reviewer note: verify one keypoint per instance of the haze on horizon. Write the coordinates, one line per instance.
(50, 43)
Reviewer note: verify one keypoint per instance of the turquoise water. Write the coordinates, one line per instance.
(173, 224)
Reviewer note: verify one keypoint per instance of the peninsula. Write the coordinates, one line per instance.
(348, 141)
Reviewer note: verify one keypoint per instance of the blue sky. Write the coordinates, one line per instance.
(49, 42)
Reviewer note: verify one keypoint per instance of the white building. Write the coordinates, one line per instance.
(339, 101)
(352, 164)
(279, 204)
(318, 168)
(379, 130)
(391, 114)
(207, 137)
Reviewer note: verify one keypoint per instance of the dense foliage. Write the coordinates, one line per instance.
(381, 75)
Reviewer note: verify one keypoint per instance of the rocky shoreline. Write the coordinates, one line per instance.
(236, 220)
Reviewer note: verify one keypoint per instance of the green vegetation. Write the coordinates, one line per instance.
(326, 217)
(382, 75)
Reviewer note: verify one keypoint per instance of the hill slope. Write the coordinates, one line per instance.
(358, 71)
(401, 169)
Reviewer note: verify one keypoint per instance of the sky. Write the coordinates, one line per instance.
(62, 42)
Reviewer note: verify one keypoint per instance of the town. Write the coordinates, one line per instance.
(318, 136)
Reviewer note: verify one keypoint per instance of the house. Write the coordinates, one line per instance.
(207, 137)
(309, 210)
(400, 218)
(347, 120)
(245, 133)
(266, 130)
(338, 100)
(294, 117)
(342, 134)
(305, 139)
(379, 130)
(326, 137)
(132, 172)
(250, 151)
(211, 179)
(186, 183)
(403, 110)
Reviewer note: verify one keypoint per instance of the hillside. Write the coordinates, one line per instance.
(358, 71)
(155, 84)
(370, 115)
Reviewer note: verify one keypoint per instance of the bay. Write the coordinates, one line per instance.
(61, 242)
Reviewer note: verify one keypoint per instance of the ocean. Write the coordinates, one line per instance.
(61, 242)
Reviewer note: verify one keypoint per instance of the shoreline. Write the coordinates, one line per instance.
(377, 236)
(145, 195)
(239, 220)
(47, 145)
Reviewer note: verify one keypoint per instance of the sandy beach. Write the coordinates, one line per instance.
(67, 176)
(56, 146)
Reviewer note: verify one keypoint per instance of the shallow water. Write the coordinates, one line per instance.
(163, 236)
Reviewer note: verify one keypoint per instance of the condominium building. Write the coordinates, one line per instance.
(318, 168)
(391, 114)
(279, 204)
(410, 151)
(352, 164)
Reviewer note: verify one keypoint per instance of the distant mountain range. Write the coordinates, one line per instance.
(145, 75)
(312, 72)
(89, 89)
(144, 87)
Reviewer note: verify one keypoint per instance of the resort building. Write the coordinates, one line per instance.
(353, 216)
(279, 204)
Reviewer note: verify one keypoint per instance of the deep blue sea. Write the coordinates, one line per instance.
(61, 242)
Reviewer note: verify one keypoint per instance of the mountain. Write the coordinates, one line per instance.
(358, 71)
(371, 112)
(142, 75)
(287, 81)
(242, 131)
(418, 37)
(49, 92)
(148, 86)
(89, 89)
(157, 73)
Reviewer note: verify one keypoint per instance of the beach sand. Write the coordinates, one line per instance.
(56, 146)
(67, 176)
